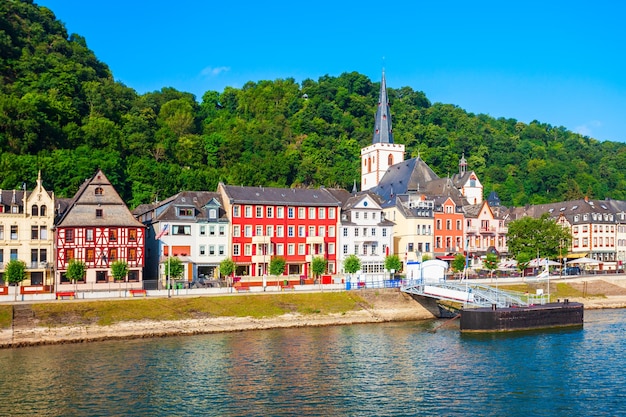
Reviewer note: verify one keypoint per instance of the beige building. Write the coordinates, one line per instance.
(26, 223)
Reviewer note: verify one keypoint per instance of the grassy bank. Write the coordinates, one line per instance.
(108, 312)
(6, 316)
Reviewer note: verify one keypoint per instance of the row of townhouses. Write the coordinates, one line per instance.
(403, 208)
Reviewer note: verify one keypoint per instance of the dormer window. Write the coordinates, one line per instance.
(185, 212)
(35, 210)
(98, 213)
(99, 191)
(212, 213)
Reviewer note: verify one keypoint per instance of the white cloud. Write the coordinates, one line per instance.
(212, 72)
(587, 128)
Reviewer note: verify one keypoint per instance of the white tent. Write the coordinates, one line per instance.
(583, 261)
(539, 262)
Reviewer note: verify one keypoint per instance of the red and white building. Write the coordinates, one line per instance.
(295, 223)
(97, 228)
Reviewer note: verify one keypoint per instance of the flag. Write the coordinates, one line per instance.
(163, 232)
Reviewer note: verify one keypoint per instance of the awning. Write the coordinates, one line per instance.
(576, 255)
(446, 257)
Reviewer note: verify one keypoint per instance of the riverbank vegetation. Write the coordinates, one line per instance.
(62, 112)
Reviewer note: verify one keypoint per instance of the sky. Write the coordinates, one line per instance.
(561, 63)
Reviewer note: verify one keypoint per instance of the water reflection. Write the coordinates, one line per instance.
(363, 370)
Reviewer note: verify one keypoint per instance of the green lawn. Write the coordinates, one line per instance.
(180, 308)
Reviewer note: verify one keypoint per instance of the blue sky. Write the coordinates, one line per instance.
(558, 62)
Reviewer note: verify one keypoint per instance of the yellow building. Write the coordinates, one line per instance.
(26, 223)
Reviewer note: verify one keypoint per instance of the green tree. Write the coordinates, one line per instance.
(393, 263)
(227, 267)
(175, 267)
(119, 270)
(351, 264)
(458, 263)
(491, 263)
(75, 270)
(523, 260)
(541, 237)
(277, 265)
(318, 266)
(15, 271)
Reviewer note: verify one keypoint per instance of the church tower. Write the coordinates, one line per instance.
(382, 153)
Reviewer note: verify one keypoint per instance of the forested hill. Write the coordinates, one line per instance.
(62, 112)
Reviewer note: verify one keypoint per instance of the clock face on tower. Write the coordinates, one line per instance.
(365, 203)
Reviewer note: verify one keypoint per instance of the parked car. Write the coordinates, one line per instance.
(571, 270)
(204, 282)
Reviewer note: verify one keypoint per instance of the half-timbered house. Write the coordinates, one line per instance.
(97, 228)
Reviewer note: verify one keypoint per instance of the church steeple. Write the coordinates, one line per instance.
(383, 132)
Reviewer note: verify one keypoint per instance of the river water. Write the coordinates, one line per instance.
(392, 369)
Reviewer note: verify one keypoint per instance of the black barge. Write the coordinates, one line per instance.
(545, 316)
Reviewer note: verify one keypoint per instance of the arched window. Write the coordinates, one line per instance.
(34, 210)
(99, 191)
(390, 160)
(369, 165)
(42, 210)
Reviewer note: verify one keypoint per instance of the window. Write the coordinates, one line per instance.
(112, 235)
(321, 213)
(290, 231)
(280, 249)
(112, 255)
(236, 211)
(42, 211)
(69, 235)
(90, 255)
(356, 231)
(202, 250)
(248, 230)
(458, 225)
(221, 230)
(438, 224)
(320, 231)
(181, 230)
(301, 249)
(89, 235)
(291, 249)
(269, 212)
(331, 231)
(202, 230)
(312, 231)
(291, 213)
(34, 232)
(14, 232)
(213, 214)
(247, 250)
(448, 224)
(221, 249)
(132, 255)
(258, 231)
(301, 213)
(185, 212)
(280, 212)
(35, 210)
(101, 276)
(248, 211)
(279, 231)
(43, 255)
(98, 213)
(373, 231)
(132, 235)
(99, 191)
(1, 232)
(211, 230)
(300, 231)
(212, 250)
(311, 212)
(259, 211)
(69, 254)
(236, 249)
(269, 231)
(356, 214)
(384, 232)
(356, 249)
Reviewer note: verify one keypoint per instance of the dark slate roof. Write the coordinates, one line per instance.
(412, 175)
(493, 199)
(11, 198)
(82, 209)
(198, 200)
(383, 133)
(281, 196)
(568, 209)
(408, 210)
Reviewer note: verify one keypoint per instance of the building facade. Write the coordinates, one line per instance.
(97, 228)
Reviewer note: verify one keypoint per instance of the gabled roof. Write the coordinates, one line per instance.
(197, 200)
(280, 196)
(568, 209)
(94, 194)
(412, 175)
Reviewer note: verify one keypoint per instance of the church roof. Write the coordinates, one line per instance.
(412, 175)
(383, 133)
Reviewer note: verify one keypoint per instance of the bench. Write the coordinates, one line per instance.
(70, 294)
(241, 288)
(289, 287)
(134, 292)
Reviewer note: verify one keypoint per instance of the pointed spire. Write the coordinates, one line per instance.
(383, 132)
(354, 190)
(462, 165)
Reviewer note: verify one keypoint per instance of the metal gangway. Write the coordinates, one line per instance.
(472, 294)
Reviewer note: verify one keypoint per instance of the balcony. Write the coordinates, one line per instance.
(471, 230)
(315, 239)
(260, 239)
(488, 229)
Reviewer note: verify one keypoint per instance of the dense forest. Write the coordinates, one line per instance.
(62, 112)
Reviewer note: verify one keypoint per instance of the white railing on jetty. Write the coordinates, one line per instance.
(474, 294)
